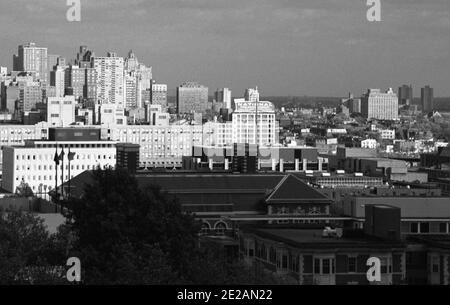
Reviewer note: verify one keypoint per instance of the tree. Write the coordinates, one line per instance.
(27, 251)
(124, 234)
(122, 230)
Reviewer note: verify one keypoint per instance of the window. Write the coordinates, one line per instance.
(435, 264)
(424, 227)
(324, 266)
(414, 227)
(352, 264)
(443, 227)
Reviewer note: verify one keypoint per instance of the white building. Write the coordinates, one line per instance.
(387, 134)
(130, 91)
(34, 163)
(61, 111)
(254, 121)
(378, 105)
(3, 71)
(110, 115)
(369, 143)
(15, 135)
(159, 146)
(57, 79)
(110, 79)
(155, 116)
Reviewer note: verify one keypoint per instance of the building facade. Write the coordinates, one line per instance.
(110, 79)
(192, 97)
(378, 105)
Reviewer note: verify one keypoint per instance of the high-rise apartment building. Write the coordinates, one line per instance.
(405, 95)
(131, 90)
(427, 99)
(110, 79)
(380, 105)
(30, 94)
(192, 97)
(33, 59)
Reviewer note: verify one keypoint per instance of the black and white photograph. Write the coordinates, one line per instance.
(224, 148)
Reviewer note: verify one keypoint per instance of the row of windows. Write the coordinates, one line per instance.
(76, 157)
(424, 227)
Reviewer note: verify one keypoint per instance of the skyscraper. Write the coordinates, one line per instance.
(378, 105)
(84, 57)
(427, 98)
(192, 97)
(405, 95)
(159, 95)
(110, 79)
(57, 79)
(33, 59)
(224, 96)
(130, 90)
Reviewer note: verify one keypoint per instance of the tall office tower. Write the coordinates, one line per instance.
(143, 76)
(252, 95)
(84, 57)
(427, 98)
(159, 95)
(405, 95)
(354, 105)
(130, 90)
(33, 59)
(30, 94)
(254, 121)
(15, 62)
(61, 111)
(378, 105)
(192, 97)
(224, 96)
(110, 80)
(131, 62)
(57, 80)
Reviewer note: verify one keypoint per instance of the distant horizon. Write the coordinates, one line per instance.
(287, 48)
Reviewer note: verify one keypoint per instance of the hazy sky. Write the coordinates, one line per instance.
(286, 47)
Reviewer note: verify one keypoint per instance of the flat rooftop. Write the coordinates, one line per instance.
(313, 238)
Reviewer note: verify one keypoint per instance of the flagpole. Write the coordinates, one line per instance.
(56, 159)
(62, 172)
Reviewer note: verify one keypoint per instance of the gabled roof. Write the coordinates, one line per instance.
(293, 190)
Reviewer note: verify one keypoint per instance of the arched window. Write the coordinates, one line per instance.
(220, 227)
(205, 228)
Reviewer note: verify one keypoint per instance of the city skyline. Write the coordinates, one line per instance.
(286, 52)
